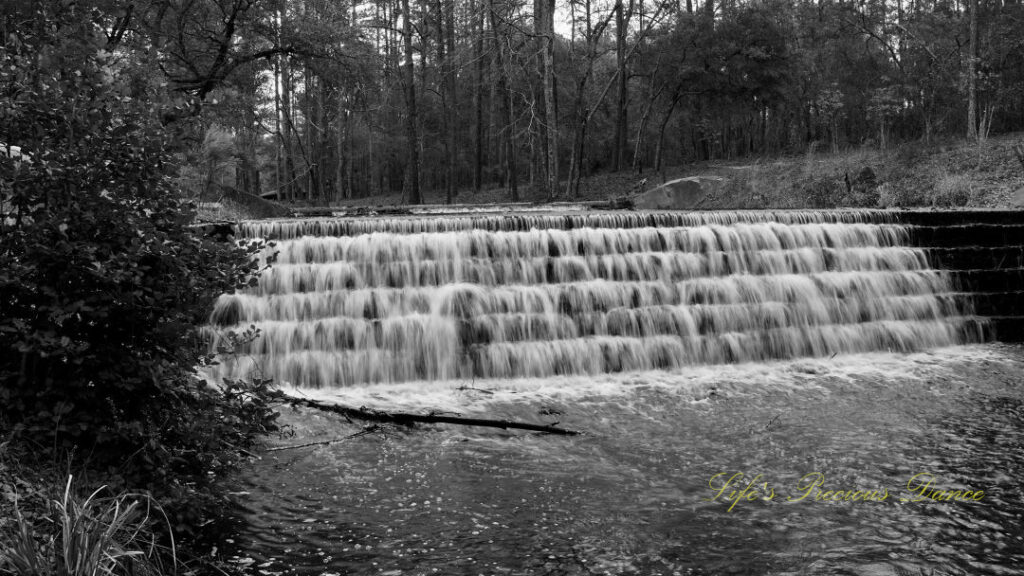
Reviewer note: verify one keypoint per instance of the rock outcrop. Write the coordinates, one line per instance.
(681, 194)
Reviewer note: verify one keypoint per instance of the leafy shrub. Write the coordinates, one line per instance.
(886, 195)
(900, 194)
(952, 190)
(821, 192)
(912, 153)
(102, 280)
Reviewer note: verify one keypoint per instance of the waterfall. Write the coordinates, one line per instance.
(361, 300)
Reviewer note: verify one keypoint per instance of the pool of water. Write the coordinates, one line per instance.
(641, 490)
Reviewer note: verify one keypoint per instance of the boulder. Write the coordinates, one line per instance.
(1017, 199)
(682, 194)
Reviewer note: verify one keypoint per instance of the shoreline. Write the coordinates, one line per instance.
(948, 174)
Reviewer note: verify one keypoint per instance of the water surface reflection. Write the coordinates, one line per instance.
(631, 495)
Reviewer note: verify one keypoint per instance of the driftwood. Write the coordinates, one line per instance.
(408, 419)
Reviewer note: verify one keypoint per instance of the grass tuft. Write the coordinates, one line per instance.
(952, 190)
(86, 536)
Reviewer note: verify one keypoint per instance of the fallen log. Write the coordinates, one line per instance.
(408, 419)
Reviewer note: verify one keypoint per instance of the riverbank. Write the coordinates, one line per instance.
(944, 173)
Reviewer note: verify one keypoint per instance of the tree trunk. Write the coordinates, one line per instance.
(494, 151)
(409, 419)
(309, 113)
(652, 97)
(579, 158)
(504, 87)
(581, 113)
(550, 113)
(621, 29)
(323, 142)
(247, 173)
(442, 71)
(286, 112)
(340, 163)
(278, 160)
(350, 158)
(658, 151)
(972, 81)
(478, 104)
(451, 104)
(412, 121)
(538, 102)
(570, 190)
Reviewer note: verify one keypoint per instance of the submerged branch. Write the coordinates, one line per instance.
(408, 419)
(368, 430)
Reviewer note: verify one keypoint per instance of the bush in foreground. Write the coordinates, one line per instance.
(102, 281)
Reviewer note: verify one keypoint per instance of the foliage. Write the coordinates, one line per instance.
(86, 536)
(951, 190)
(102, 281)
(212, 168)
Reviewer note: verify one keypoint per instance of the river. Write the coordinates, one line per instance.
(640, 491)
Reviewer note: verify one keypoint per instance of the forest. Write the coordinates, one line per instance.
(316, 101)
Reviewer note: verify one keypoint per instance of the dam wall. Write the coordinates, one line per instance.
(353, 300)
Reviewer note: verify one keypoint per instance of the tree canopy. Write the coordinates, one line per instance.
(319, 101)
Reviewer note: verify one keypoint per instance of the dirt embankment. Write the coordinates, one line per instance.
(947, 173)
(941, 174)
(944, 175)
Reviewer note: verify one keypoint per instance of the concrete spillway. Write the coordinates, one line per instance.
(359, 300)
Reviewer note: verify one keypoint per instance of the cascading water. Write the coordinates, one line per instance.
(353, 301)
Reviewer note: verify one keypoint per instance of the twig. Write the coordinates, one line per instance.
(369, 429)
(241, 450)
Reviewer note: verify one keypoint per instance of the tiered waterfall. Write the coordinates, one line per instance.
(360, 300)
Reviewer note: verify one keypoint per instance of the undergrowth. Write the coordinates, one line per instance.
(87, 535)
(939, 174)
